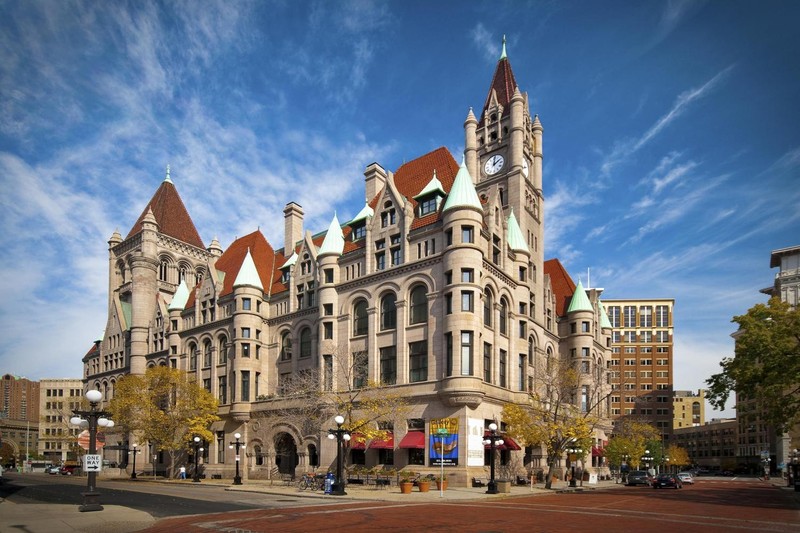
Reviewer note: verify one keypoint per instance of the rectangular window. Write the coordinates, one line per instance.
(629, 316)
(448, 352)
(245, 349)
(418, 361)
(487, 362)
(245, 333)
(246, 303)
(502, 368)
(359, 232)
(207, 384)
(223, 389)
(327, 330)
(523, 329)
(327, 309)
(448, 303)
(467, 234)
(521, 370)
(662, 336)
(613, 316)
(327, 369)
(426, 207)
(646, 316)
(328, 275)
(585, 327)
(467, 275)
(448, 237)
(220, 447)
(584, 352)
(645, 362)
(397, 257)
(466, 301)
(662, 316)
(616, 337)
(389, 365)
(380, 261)
(466, 353)
(360, 369)
(245, 397)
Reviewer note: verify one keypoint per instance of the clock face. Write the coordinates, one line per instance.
(493, 164)
(525, 169)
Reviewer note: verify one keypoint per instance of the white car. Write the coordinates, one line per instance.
(686, 477)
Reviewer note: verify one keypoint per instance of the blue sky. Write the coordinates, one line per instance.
(671, 144)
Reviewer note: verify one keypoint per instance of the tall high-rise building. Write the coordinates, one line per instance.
(58, 399)
(19, 399)
(437, 288)
(641, 364)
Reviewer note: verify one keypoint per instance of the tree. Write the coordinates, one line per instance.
(553, 418)
(307, 402)
(765, 365)
(165, 408)
(678, 456)
(630, 441)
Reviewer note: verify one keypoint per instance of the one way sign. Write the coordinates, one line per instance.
(91, 463)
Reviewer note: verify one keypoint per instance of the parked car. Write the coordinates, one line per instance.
(667, 481)
(638, 477)
(51, 469)
(67, 470)
(686, 478)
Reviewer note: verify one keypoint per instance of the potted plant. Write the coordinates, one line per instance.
(406, 481)
(424, 484)
(441, 482)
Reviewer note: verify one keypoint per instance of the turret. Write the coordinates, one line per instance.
(471, 144)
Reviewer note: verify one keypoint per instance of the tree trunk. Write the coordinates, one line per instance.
(548, 482)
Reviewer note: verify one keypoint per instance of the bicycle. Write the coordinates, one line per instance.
(311, 482)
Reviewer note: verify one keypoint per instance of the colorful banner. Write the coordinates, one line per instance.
(443, 442)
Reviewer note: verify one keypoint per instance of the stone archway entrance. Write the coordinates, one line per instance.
(285, 453)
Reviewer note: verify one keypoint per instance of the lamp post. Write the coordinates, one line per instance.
(237, 479)
(340, 435)
(198, 449)
(91, 419)
(647, 458)
(573, 452)
(493, 440)
(134, 451)
(794, 457)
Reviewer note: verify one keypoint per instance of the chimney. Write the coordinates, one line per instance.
(292, 227)
(375, 178)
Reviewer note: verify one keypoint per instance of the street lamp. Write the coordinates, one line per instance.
(493, 440)
(134, 451)
(574, 452)
(647, 458)
(340, 435)
(198, 449)
(91, 419)
(237, 479)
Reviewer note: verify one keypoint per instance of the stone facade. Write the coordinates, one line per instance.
(437, 288)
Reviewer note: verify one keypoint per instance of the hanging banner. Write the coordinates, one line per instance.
(443, 442)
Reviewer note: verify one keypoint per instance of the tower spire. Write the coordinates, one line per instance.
(167, 178)
(503, 55)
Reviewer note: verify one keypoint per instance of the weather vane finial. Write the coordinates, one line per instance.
(167, 178)
(503, 55)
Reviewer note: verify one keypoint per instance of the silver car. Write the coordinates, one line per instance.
(686, 478)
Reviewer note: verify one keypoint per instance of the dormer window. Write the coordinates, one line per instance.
(389, 215)
(426, 207)
(305, 266)
(359, 232)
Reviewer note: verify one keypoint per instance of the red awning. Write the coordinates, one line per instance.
(508, 443)
(597, 452)
(380, 444)
(413, 440)
(359, 442)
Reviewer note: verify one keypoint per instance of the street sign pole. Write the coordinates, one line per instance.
(441, 432)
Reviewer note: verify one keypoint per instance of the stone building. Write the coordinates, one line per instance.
(437, 288)
(58, 398)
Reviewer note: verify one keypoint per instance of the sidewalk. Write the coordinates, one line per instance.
(50, 518)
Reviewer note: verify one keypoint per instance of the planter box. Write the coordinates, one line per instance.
(504, 486)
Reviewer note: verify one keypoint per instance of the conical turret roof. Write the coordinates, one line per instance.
(516, 241)
(462, 193)
(180, 298)
(334, 239)
(579, 302)
(248, 274)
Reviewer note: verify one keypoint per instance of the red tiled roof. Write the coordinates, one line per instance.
(231, 261)
(171, 215)
(562, 284)
(413, 176)
(504, 85)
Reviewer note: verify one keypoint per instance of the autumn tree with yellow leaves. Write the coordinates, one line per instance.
(553, 417)
(164, 408)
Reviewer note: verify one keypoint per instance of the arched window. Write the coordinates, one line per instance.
(182, 270)
(388, 311)
(488, 304)
(206, 354)
(259, 455)
(286, 346)
(419, 305)
(163, 270)
(360, 318)
(192, 356)
(222, 349)
(305, 342)
(503, 317)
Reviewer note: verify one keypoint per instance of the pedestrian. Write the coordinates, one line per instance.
(182, 474)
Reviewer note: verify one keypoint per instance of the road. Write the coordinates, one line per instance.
(712, 505)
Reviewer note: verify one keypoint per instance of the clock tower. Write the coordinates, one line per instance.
(503, 153)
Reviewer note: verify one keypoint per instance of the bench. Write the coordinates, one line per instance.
(216, 476)
(477, 482)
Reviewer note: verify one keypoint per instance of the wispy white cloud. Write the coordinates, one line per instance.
(623, 150)
(485, 42)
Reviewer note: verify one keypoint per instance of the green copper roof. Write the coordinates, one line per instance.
(462, 193)
(579, 302)
(433, 186)
(334, 239)
(516, 241)
(180, 298)
(248, 275)
(367, 211)
(503, 55)
(604, 321)
(291, 261)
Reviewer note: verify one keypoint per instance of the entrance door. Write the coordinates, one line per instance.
(285, 453)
